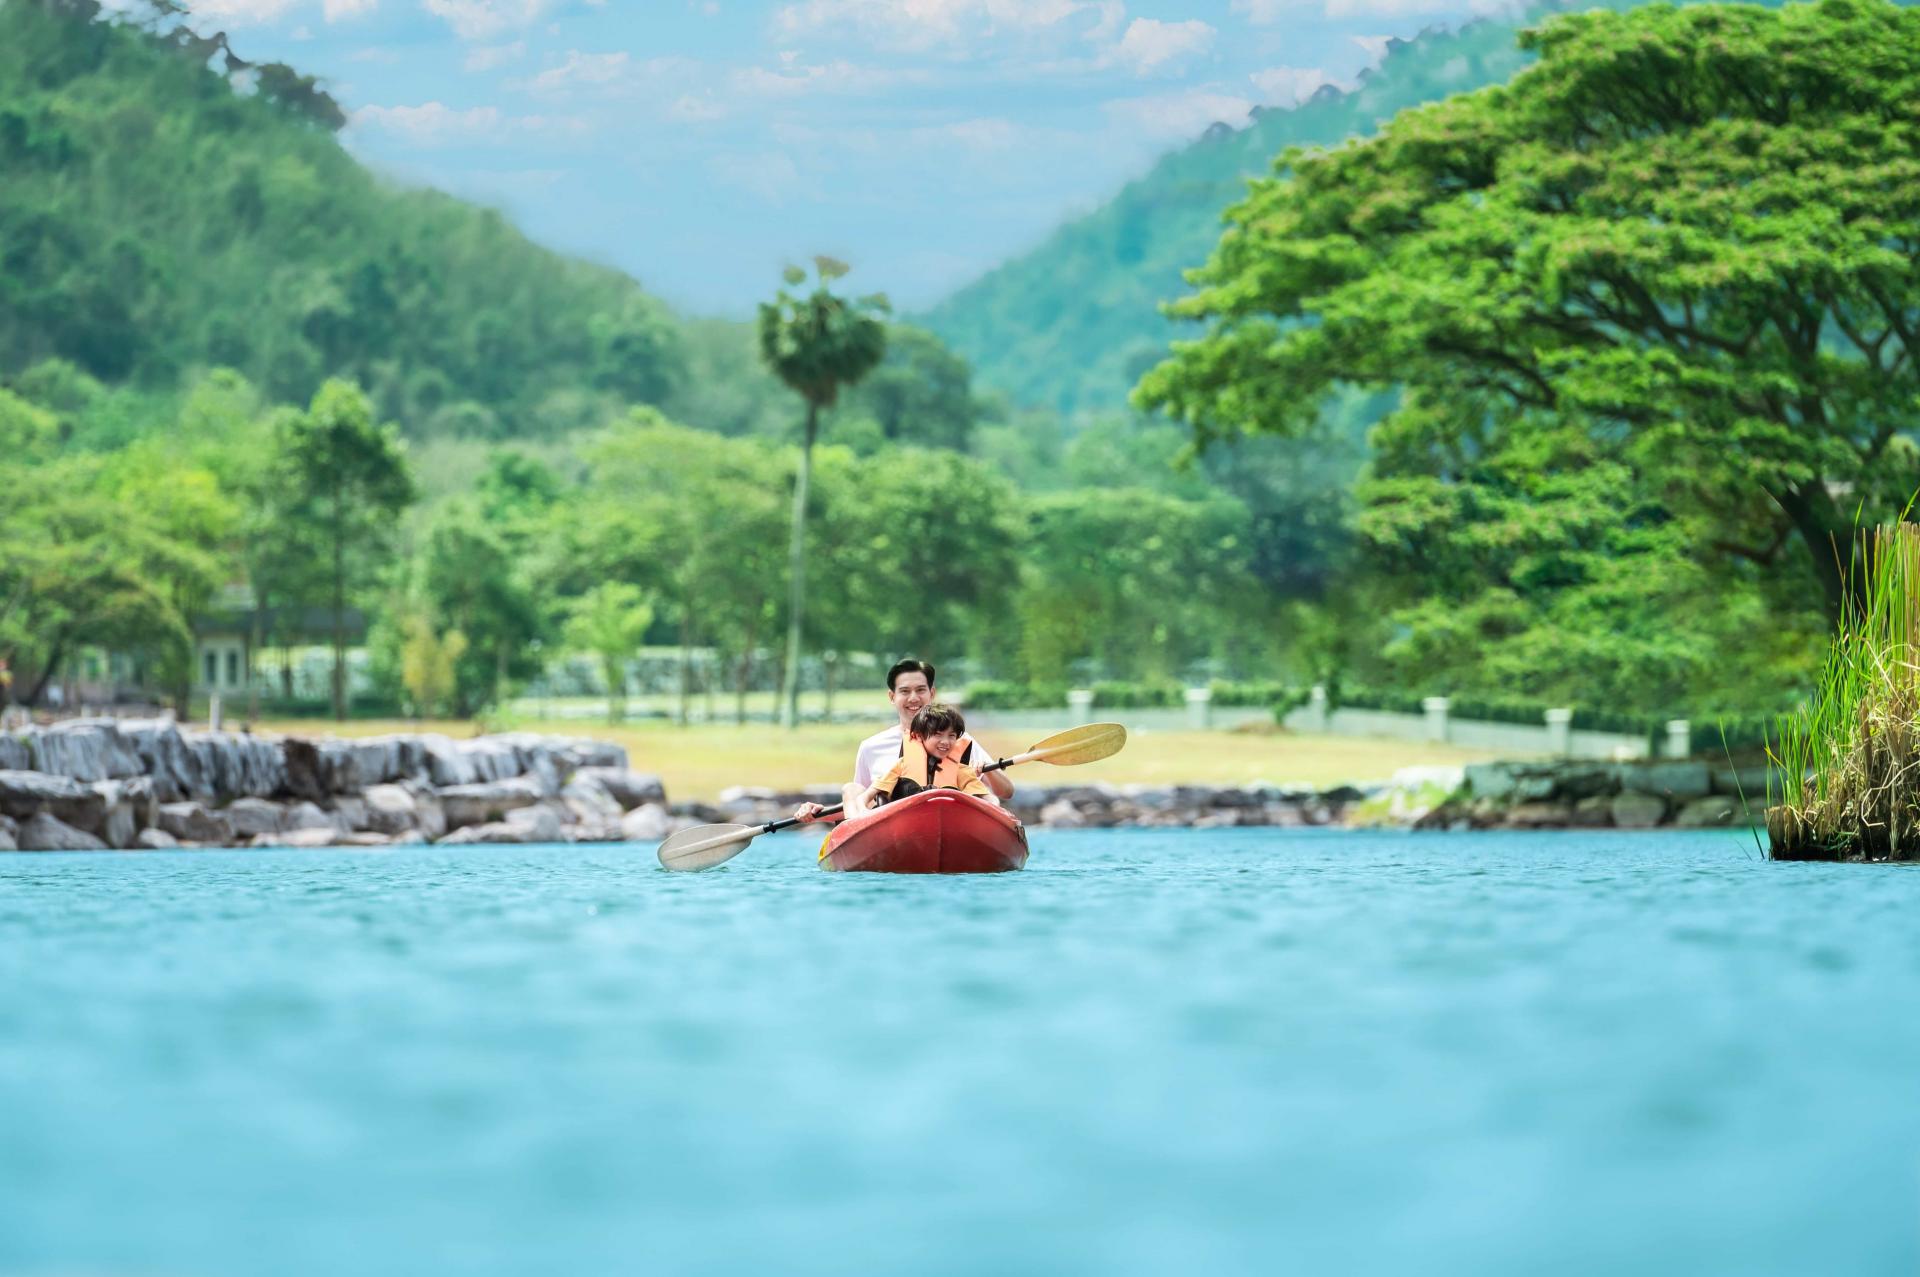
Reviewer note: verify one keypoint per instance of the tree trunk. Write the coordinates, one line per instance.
(1810, 511)
(832, 660)
(741, 673)
(55, 654)
(797, 575)
(339, 607)
(616, 672)
(686, 668)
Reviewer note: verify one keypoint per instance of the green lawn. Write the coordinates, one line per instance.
(700, 761)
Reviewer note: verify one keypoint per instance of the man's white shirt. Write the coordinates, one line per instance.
(881, 751)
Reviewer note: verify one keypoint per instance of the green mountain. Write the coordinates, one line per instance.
(1073, 323)
(167, 206)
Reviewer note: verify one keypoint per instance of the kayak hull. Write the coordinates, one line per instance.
(941, 831)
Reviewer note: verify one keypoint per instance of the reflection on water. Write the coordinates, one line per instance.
(1222, 1051)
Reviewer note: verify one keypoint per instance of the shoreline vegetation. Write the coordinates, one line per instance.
(1849, 761)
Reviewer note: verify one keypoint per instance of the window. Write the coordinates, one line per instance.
(233, 667)
(211, 664)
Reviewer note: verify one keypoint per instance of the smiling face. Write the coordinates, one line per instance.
(939, 744)
(911, 693)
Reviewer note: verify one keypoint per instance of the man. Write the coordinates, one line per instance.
(910, 688)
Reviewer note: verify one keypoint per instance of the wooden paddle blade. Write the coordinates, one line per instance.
(705, 846)
(1087, 744)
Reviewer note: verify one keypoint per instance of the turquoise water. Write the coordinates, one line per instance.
(1233, 1051)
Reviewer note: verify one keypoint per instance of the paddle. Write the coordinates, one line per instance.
(705, 846)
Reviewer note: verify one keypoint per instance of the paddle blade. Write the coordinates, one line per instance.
(705, 846)
(1087, 744)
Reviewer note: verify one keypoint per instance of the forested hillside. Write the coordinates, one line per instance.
(1072, 324)
(168, 206)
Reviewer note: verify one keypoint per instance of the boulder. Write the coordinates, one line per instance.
(87, 749)
(1748, 781)
(155, 840)
(191, 822)
(1595, 811)
(254, 817)
(390, 809)
(312, 768)
(648, 823)
(543, 822)
(1633, 810)
(1537, 815)
(45, 832)
(306, 837)
(175, 770)
(239, 764)
(629, 788)
(446, 763)
(119, 822)
(491, 832)
(305, 816)
(1062, 813)
(1678, 779)
(27, 794)
(350, 813)
(589, 801)
(14, 754)
(575, 754)
(1489, 780)
(9, 834)
(486, 803)
(1708, 813)
(429, 815)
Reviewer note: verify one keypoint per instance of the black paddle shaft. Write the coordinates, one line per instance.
(775, 826)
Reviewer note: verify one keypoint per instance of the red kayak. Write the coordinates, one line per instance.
(940, 831)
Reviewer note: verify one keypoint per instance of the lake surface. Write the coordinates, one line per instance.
(1234, 1051)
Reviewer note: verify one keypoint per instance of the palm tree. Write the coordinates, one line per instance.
(817, 344)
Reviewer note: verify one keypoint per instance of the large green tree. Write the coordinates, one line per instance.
(1689, 234)
(818, 343)
(348, 481)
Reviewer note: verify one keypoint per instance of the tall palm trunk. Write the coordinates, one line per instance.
(797, 575)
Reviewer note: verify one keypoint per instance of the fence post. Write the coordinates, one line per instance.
(1560, 732)
(1679, 738)
(1199, 708)
(1080, 705)
(213, 712)
(1435, 708)
(1317, 709)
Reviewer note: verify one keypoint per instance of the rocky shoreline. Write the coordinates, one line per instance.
(118, 784)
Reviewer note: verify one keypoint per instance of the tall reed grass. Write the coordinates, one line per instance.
(1848, 763)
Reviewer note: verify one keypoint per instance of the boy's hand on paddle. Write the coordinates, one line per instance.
(807, 813)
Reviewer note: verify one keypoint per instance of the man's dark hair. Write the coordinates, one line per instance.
(909, 666)
(937, 718)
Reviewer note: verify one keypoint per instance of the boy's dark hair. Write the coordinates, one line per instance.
(909, 666)
(936, 718)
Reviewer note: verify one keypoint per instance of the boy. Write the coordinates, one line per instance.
(934, 734)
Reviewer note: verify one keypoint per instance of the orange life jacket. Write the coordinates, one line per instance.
(915, 771)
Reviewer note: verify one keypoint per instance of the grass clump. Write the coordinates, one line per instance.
(1848, 762)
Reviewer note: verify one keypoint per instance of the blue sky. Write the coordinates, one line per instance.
(702, 144)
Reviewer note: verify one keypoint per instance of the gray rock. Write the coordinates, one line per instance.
(491, 832)
(629, 788)
(305, 816)
(487, 803)
(175, 770)
(9, 834)
(1748, 781)
(1707, 813)
(1595, 811)
(446, 763)
(1539, 816)
(1638, 811)
(576, 754)
(310, 768)
(589, 801)
(542, 822)
(252, 817)
(191, 822)
(1672, 779)
(429, 814)
(304, 838)
(14, 754)
(27, 794)
(1062, 813)
(1490, 780)
(648, 823)
(390, 809)
(238, 764)
(87, 749)
(155, 840)
(119, 824)
(350, 813)
(49, 833)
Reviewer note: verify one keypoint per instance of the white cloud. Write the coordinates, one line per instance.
(1375, 45)
(795, 78)
(1284, 86)
(484, 19)
(1150, 44)
(581, 70)
(486, 57)
(241, 13)
(696, 109)
(335, 10)
(922, 24)
(1264, 13)
(1179, 115)
(437, 124)
(772, 176)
